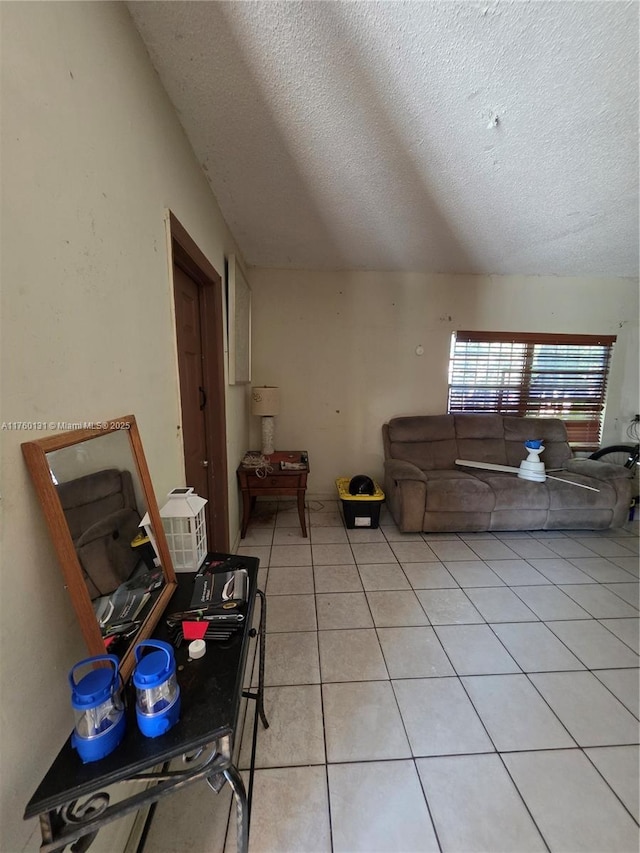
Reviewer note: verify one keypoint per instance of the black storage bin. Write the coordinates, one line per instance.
(359, 510)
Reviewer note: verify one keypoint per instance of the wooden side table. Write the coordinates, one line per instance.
(273, 480)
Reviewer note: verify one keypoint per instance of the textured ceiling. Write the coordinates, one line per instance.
(491, 137)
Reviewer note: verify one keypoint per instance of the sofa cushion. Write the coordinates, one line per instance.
(426, 455)
(421, 428)
(481, 438)
(479, 426)
(428, 442)
(519, 519)
(103, 518)
(449, 491)
(87, 500)
(550, 431)
(522, 429)
(578, 519)
(510, 492)
(562, 495)
(483, 450)
(438, 522)
(105, 551)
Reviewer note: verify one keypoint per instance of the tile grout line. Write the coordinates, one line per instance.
(537, 620)
(321, 691)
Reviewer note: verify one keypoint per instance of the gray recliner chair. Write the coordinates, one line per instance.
(103, 519)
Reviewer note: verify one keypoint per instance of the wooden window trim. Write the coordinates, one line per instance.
(535, 379)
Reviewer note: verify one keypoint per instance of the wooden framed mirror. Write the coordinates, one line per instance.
(95, 489)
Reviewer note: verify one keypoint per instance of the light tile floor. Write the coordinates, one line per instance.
(452, 692)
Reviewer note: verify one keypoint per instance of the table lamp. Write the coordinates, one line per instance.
(265, 401)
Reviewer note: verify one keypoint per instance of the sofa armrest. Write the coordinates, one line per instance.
(112, 525)
(598, 470)
(405, 488)
(398, 469)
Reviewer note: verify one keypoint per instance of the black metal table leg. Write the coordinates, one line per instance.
(261, 656)
(242, 817)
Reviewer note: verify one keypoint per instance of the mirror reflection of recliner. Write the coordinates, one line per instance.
(103, 519)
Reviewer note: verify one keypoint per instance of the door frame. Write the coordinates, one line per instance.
(185, 254)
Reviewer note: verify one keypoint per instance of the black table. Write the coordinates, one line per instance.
(71, 802)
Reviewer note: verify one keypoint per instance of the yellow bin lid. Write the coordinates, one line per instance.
(343, 490)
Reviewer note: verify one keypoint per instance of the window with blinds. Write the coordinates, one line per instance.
(533, 375)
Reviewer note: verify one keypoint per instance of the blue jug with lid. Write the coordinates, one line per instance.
(157, 690)
(98, 708)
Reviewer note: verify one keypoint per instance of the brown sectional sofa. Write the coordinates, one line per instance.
(426, 491)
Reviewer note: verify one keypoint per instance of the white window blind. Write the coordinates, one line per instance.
(533, 375)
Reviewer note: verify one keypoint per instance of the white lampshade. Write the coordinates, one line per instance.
(265, 400)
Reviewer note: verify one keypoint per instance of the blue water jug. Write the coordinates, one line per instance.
(98, 708)
(157, 690)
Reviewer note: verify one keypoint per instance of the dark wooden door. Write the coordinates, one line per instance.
(200, 343)
(193, 394)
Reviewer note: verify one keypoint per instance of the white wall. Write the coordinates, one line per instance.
(92, 155)
(342, 348)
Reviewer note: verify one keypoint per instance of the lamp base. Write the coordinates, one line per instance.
(268, 434)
